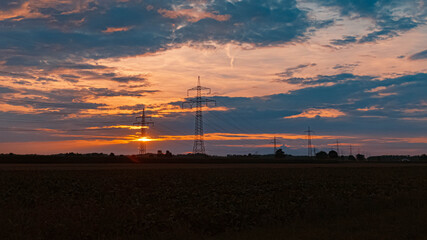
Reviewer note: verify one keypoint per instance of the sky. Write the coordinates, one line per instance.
(74, 74)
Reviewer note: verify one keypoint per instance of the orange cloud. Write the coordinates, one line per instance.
(312, 113)
(192, 15)
(24, 11)
(30, 8)
(248, 145)
(371, 108)
(116, 29)
(244, 136)
(118, 126)
(50, 147)
(408, 139)
(414, 110)
(165, 109)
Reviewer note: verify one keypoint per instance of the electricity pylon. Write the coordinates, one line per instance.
(338, 148)
(275, 144)
(198, 101)
(144, 124)
(309, 144)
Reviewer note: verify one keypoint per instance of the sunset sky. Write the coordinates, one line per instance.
(74, 74)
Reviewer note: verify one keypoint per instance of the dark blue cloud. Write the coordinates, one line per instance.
(323, 79)
(129, 79)
(389, 28)
(83, 34)
(259, 22)
(289, 72)
(347, 93)
(419, 55)
(344, 41)
(73, 35)
(7, 90)
(388, 24)
(62, 107)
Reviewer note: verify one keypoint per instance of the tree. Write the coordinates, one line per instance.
(360, 157)
(333, 154)
(159, 153)
(321, 155)
(168, 153)
(351, 158)
(279, 153)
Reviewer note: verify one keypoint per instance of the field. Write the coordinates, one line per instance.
(207, 201)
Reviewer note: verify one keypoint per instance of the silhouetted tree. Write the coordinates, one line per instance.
(321, 155)
(168, 153)
(360, 157)
(159, 153)
(112, 155)
(279, 153)
(333, 154)
(351, 158)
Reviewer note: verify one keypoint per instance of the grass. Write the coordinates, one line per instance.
(230, 203)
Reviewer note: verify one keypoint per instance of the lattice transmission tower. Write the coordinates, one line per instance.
(144, 124)
(309, 144)
(198, 102)
(338, 148)
(274, 142)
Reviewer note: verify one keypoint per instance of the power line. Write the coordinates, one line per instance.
(239, 119)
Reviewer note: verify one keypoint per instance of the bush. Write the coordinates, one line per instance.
(321, 155)
(333, 154)
(360, 157)
(280, 153)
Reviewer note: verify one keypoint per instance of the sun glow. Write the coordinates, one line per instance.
(144, 139)
(147, 139)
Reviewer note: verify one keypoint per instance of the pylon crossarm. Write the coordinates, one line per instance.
(190, 103)
(199, 89)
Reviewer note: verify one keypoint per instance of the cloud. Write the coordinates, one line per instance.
(102, 29)
(129, 79)
(242, 120)
(105, 92)
(70, 78)
(18, 10)
(7, 90)
(192, 15)
(67, 107)
(419, 55)
(66, 101)
(325, 79)
(390, 18)
(371, 108)
(344, 41)
(49, 50)
(218, 136)
(313, 113)
(289, 72)
(116, 29)
(260, 23)
(346, 67)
